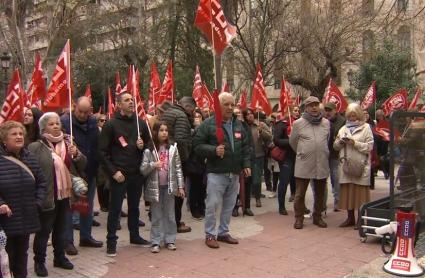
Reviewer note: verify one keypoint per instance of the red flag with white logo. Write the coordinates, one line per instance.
(59, 92)
(206, 98)
(285, 98)
(200, 92)
(197, 87)
(370, 97)
(37, 88)
(87, 93)
(412, 105)
(138, 99)
(167, 89)
(242, 103)
(395, 102)
(333, 94)
(211, 21)
(13, 106)
(154, 88)
(259, 96)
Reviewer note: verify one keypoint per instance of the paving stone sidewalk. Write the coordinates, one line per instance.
(269, 247)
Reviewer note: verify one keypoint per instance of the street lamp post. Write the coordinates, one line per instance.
(5, 64)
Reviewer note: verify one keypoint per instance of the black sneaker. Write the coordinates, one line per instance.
(111, 249)
(63, 263)
(140, 241)
(40, 270)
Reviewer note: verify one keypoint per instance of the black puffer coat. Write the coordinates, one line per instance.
(21, 193)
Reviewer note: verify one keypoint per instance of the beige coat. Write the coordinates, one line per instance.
(363, 144)
(310, 143)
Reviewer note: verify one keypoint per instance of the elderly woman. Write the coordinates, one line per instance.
(56, 157)
(355, 142)
(22, 191)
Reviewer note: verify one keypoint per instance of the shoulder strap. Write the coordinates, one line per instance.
(20, 163)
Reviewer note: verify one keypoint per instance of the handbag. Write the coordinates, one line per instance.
(278, 154)
(79, 185)
(81, 206)
(353, 167)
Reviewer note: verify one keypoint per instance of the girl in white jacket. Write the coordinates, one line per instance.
(162, 167)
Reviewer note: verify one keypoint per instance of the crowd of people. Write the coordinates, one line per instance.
(173, 155)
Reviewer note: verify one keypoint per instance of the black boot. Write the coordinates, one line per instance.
(40, 270)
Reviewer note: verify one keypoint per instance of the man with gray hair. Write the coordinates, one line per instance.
(179, 120)
(224, 163)
(309, 140)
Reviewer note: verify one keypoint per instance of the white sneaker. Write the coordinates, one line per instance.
(171, 246)
(155, 249)
(272, 195)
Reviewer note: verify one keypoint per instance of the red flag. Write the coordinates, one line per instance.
(197, 87)
(242, 103)
(59, 91)
(259, 97)
(118, 88)
(333, 94)
(206, 98)
(13, 106)
(395, 102)
(412, 105)
(111, 104)
(225, 88)
(200, 92)
(370, 97)
(37, 88)
(154, 88)
(383, 132)
(297, 101)
(211, 21)
(137, 98)
(167, 89)
(218, 118)
(88, 92)
(285, 98)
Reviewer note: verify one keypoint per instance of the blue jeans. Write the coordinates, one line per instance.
(133, 185)
(222, 190)
(84, 221)
(163, 220)
(334, 175)
(286, 173)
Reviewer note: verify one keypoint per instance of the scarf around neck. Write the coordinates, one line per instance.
(314, 120)
(63, 178)
(352, 125)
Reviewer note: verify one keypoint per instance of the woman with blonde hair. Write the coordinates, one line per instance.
(22, 191)
(355, 142)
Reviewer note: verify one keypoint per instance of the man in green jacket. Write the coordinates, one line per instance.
(224, 163)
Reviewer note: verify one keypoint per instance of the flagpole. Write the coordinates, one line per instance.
(135, 101)
(213, 48)
(150, 134)
(68, 82)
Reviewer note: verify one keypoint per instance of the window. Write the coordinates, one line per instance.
(404, 38)
(402, 5)
(277, 83)
(368, 44)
